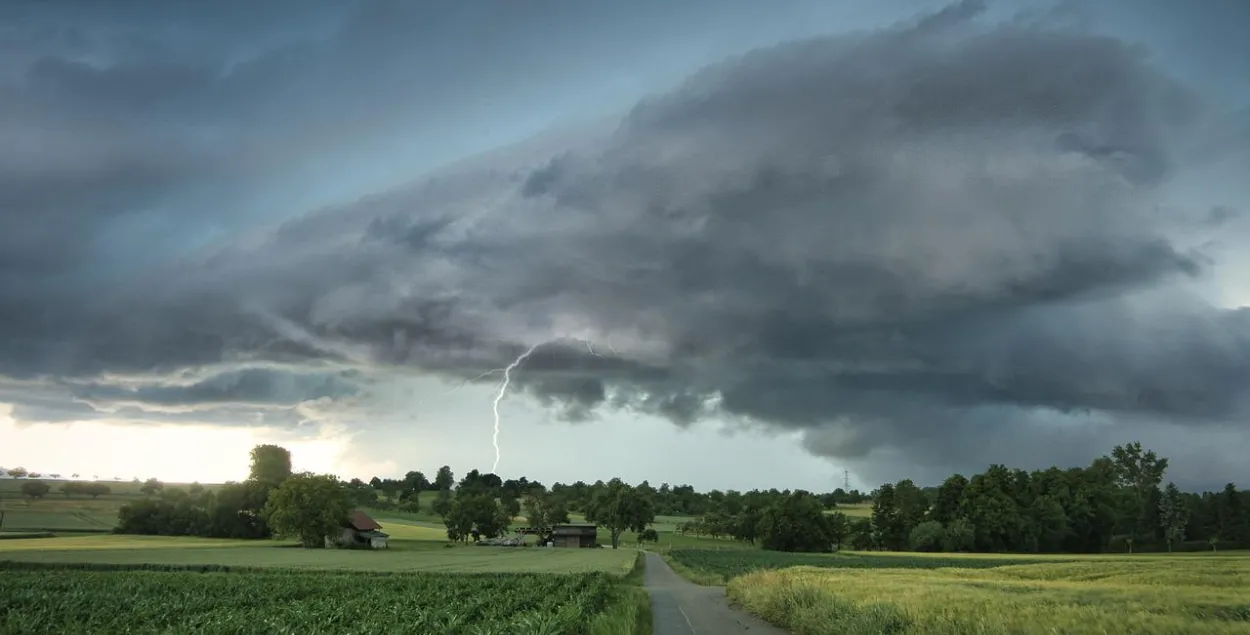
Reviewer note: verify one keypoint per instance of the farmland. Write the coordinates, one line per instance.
(288, 602)
(1202, 593)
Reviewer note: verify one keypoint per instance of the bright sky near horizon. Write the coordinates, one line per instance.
(776, 242)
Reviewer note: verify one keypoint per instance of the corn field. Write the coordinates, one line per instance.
(184, 602)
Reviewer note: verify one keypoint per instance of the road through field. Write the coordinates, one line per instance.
(680, 607)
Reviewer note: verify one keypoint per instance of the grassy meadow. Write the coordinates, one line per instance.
(853, 593)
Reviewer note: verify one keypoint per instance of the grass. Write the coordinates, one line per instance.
(1198, 594)
(858, 510)
(80, 601)
(404, 555)
(717, 567)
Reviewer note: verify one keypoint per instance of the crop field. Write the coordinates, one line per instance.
(82, 601)
(1198, 594)
(858, 510)
(420, 556)
(716, 566)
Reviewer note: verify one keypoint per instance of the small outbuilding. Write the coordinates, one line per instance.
(574, 535)
(360, 531)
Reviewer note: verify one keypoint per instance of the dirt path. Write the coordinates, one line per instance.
(681, 607)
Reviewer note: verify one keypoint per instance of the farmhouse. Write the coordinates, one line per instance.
(361, 532)
(574, 535)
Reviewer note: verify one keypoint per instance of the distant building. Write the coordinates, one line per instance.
(360, 532)
(574, 535)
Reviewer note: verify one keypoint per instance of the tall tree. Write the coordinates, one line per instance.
(619, 507)
(442, 503)
(415, 481)
(1139, 473)
(310, 506)
(1173, 516)
(271, 465)
(444, 479)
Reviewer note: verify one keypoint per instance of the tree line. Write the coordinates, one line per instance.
(1117, 503)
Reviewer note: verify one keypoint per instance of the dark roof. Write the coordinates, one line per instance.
(361, 521)
(575, 530)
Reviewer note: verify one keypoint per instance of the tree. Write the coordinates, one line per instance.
(415, 481)
(444, 478)
(544, 509)
(1138, 472)
(1172, 515)
(927, 536)
(649, 535)
(888, 521)
(795, 522)
(946, 502)
(271, 465)
(620, 507)
(310, 506)
(442, 504)
(959, 536)
(838, 528)
(35, 489)
(510, 504)
(151, 487)
(477, 514)
(18, 472)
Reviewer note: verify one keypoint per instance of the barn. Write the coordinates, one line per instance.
(360, 531)
(574, 535)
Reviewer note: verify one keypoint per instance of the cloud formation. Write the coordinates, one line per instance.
(897, 241)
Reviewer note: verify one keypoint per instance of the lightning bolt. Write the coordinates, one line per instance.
(503, 388)
(507, 380)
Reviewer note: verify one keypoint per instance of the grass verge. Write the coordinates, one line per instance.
(631, 613)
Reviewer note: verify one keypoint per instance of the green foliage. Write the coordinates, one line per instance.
(927, 536)
(271, 465)
(1172, 515)
(959, 536)
(544, 509)
(35, 489)
(151, 487)
(78, 488)
(795, 523)
(134, 602)
(619, 507)
(310, 506)
(475, 513)
(442, 503)
(444, 479)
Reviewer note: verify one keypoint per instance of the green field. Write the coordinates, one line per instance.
(81, 601)
(404, 555)
(1196, 593)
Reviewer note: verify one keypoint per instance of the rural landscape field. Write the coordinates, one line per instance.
(625, 317)
(134, 559)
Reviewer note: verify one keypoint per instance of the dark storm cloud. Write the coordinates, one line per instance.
(253, 386)
(894, 241)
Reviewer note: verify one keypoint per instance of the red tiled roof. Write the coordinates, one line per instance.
(361, 521)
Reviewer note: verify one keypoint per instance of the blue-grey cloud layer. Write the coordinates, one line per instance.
(901, 238)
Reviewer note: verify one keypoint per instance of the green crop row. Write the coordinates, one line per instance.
(103, 602)
(726, 563)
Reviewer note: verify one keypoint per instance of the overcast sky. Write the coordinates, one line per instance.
(749, 244)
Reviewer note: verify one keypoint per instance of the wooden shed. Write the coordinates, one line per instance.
(360, 531)
(575, 535)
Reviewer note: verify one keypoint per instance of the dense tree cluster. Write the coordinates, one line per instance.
(234, 510)
(1118, 503)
